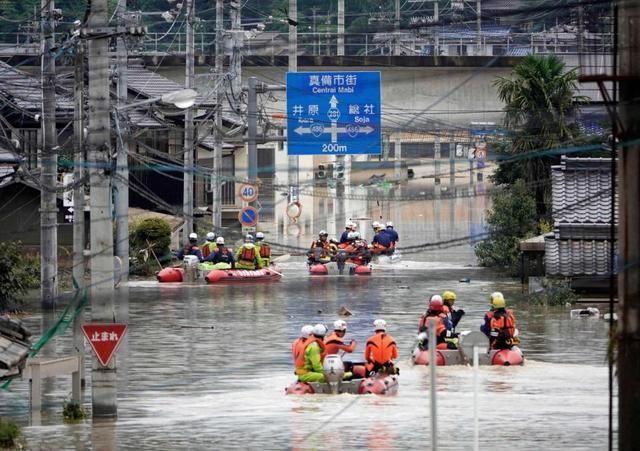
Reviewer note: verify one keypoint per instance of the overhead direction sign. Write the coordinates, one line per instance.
(248, 216)
(104, 339)
(334, 113)
(248, 192)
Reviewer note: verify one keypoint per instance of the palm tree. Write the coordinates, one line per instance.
(540, 106)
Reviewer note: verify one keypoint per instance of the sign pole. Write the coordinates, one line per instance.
(433, 364)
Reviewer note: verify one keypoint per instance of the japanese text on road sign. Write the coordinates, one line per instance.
(104, 339)
(333, 113)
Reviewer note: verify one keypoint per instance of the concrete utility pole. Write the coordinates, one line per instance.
(121, 183)
(49, 162)
(236, 53)
(252, 129)
(314, 16)
(293, 67)
(78, 199)
(479, 25)
(188, 157)
(628, 238)
(396, 27)
(216, 180)
(103, 378)
(436, 18)
(340, 27)
(436, 157)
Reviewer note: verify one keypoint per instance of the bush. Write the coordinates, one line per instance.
(72, 411)
(555, 292)
(18, 273)
(148, 237)
(512, 218)
(9, 433)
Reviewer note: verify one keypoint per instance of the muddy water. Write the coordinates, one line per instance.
(184, 387)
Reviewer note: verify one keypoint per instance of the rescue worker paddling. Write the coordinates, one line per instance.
(443, 325)
(381, 350)
(321, 250)
(263, 249)
(454, 315)
(247, 256)
(500, 324)
(334, 342)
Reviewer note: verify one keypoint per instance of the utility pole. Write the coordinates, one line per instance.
(188, 157)
(121, 183)
(340, 27)
(216, 180)
(103, 378)
(436, 19)
(78, 204)
(252, 129)
(293, 67)
(436, 157)
(628, 238)
(396, 46)
(49, 162)
(479, 25)
(314, 12)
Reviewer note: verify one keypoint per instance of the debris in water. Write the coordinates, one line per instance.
(589, 311)
(319, 311)
(607, 316)
(465, 280)
(403, 287)
(344, 311)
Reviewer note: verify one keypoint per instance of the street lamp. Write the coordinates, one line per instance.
(182, 98)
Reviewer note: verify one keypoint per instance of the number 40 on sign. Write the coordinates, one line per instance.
(248, 192)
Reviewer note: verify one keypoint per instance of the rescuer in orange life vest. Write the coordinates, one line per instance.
(209, 246)
(263, 249)
(381, 350)
(500, 324)
(454, 314)
(322, 249)
(298, 345)
(191, 248)
(443, 325)
(334, 342)
(247, 255)
(313, 356)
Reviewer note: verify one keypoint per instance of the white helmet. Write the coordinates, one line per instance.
(211, 236)
(259, 236)
(375, 225)
(220, 240)
(193, 236)
(380, 324)
(390, 224)
(248, 239)
(351, 235)
(436, 297)
(348, 225)
(354, 225)
(320, 330)
(306, 330)
(339, 325)
(323, 233)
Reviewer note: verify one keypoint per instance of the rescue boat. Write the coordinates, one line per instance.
(168, 275)
(272, 273)
(448, 357)
(334, 369)
(318, 269)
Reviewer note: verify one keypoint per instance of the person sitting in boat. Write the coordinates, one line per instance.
(334, 342)
(298, 345)
(500, 323)
(454, 315)
(350, 227)
(321, 250)
(381, 350)
(209, 246)
(381, 243)
(443, 325)
(314, 352)
(392, 233)
(263, 249)
(358, 250)
(221, 254)
(191, 248)
(247, 256)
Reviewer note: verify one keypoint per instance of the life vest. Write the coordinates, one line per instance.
(223, 254)
(332, 343)
(247, 255)
(504, 323)
(314, 339)
(440, 327)
(381, 349)
(319, 245)
(206, 249)
(265, 250)
(297, 350)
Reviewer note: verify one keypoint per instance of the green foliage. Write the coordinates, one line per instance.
(554, 293)
(148, 237)
(511, 218)
(9, 433)
(72, 411)
(18, 272)
(540, 107)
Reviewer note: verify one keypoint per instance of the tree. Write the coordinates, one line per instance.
(540, 107)
(18, 273)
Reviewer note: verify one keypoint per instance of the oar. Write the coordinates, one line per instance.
(281, 258)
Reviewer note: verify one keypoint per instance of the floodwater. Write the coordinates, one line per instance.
(205, 367)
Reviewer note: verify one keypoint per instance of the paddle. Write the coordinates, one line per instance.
(281, 258)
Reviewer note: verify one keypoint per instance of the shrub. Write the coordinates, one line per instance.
(512, 218)
(554, 293)
(9, 433)
(72, 411)
(18, 272)
(154, 232)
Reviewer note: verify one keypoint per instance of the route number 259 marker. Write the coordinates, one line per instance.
(333, 113)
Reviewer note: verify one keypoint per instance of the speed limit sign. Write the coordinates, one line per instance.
(248, 192)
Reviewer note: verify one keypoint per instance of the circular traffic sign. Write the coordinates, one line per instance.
(248, 216)
(248, 192)
(294, 210)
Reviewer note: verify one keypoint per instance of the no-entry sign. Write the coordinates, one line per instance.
(104, 338)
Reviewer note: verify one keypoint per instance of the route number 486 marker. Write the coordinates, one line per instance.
(333, 112)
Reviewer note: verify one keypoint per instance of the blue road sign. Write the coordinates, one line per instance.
(248, 216)
(333, 113)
